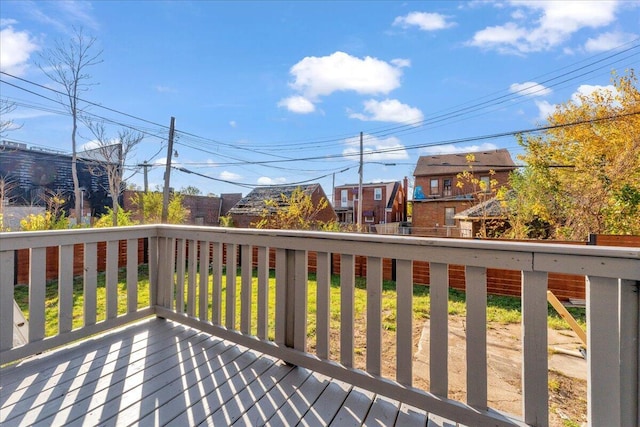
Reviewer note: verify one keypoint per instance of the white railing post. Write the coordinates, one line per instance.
(535, 383)
(629, 352)
(6, 299)
(603, 352)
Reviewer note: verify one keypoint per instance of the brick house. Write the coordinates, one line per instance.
(203, 210)
(249, 209)
(382, 202)
(437, 197)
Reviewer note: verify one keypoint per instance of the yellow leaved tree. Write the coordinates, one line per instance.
(583, 173)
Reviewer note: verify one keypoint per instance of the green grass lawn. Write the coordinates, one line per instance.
(499, 309)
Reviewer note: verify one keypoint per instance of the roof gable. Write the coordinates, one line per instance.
(452, 164)
(255, 202)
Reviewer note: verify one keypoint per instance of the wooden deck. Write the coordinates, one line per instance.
(158, 372)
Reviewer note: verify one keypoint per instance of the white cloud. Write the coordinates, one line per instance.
(608, 41)
(587, 91)
(424, 20)
(233, 123)
(165, 89)
(555, 22)
(229, 176)
(375, 149)
(17, 47)
(545, 109)
(401, 62)
(321, 76)
(389, 110)
(265, 180)
(529, 89)
(297, 104)
(453, 149)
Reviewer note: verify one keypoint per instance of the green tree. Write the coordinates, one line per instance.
(295, 212)
(151, 205)
(190, 190)
(583, 174)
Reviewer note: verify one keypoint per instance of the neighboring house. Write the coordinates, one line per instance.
(203, 210)
(382, 203)
(250, 209)
(437, 198)
(35, 172)
(493, 212)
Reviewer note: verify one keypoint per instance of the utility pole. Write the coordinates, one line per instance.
(360, 187)
(167, 173)
(146, 165)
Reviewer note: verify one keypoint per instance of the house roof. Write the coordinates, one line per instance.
(254, 202)
(451, 164)
(492, 208)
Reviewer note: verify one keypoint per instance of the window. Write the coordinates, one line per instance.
(448, 217)
(485, 184)
(446, 187)
(434, 186)
(377, 194)
(344, 198)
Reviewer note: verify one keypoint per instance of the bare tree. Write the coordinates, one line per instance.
(67, 64)
(6, 107)
(109, 158)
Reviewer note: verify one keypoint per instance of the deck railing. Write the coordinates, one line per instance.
(193, 280)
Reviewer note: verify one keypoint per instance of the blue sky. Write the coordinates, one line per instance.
(278, 92)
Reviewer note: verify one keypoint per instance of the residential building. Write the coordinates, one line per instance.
(439, 194)
(382, 203)
(35, 173)
(203, 210)
(250, 209)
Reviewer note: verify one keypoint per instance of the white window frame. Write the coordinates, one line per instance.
(377, 193)
(344, 198)
(452, 221)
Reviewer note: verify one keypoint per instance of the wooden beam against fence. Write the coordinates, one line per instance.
(564, 313)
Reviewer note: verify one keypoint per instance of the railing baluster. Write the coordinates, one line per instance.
(111, 278)
(180, 274)
(90, 282)
(216, 294)
(132, 275)
(65, 288)
(232, 262)
(162, 278)
(281, 296)
(439, 328)
(203, 294)
(535, 388)
(191, 282)
(37, 291)
(347, 301)
(323, 277)
(629, 349)
(6, 299)
(603, 360)
(263, 292)
(171, 267)
(153, 270)
(404, 316)
(374, 312)
(246, 260)
(300, 300)
(476, 342)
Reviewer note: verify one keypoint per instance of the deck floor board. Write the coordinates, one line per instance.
(158, 372)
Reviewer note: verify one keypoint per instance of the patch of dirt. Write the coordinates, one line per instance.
(567, 370)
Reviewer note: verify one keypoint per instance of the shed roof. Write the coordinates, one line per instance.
(254, 202)
(451, 164)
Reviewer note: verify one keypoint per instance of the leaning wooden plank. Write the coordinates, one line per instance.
(301, 402)
(354, 409)
(564, 313)
(383, 412)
